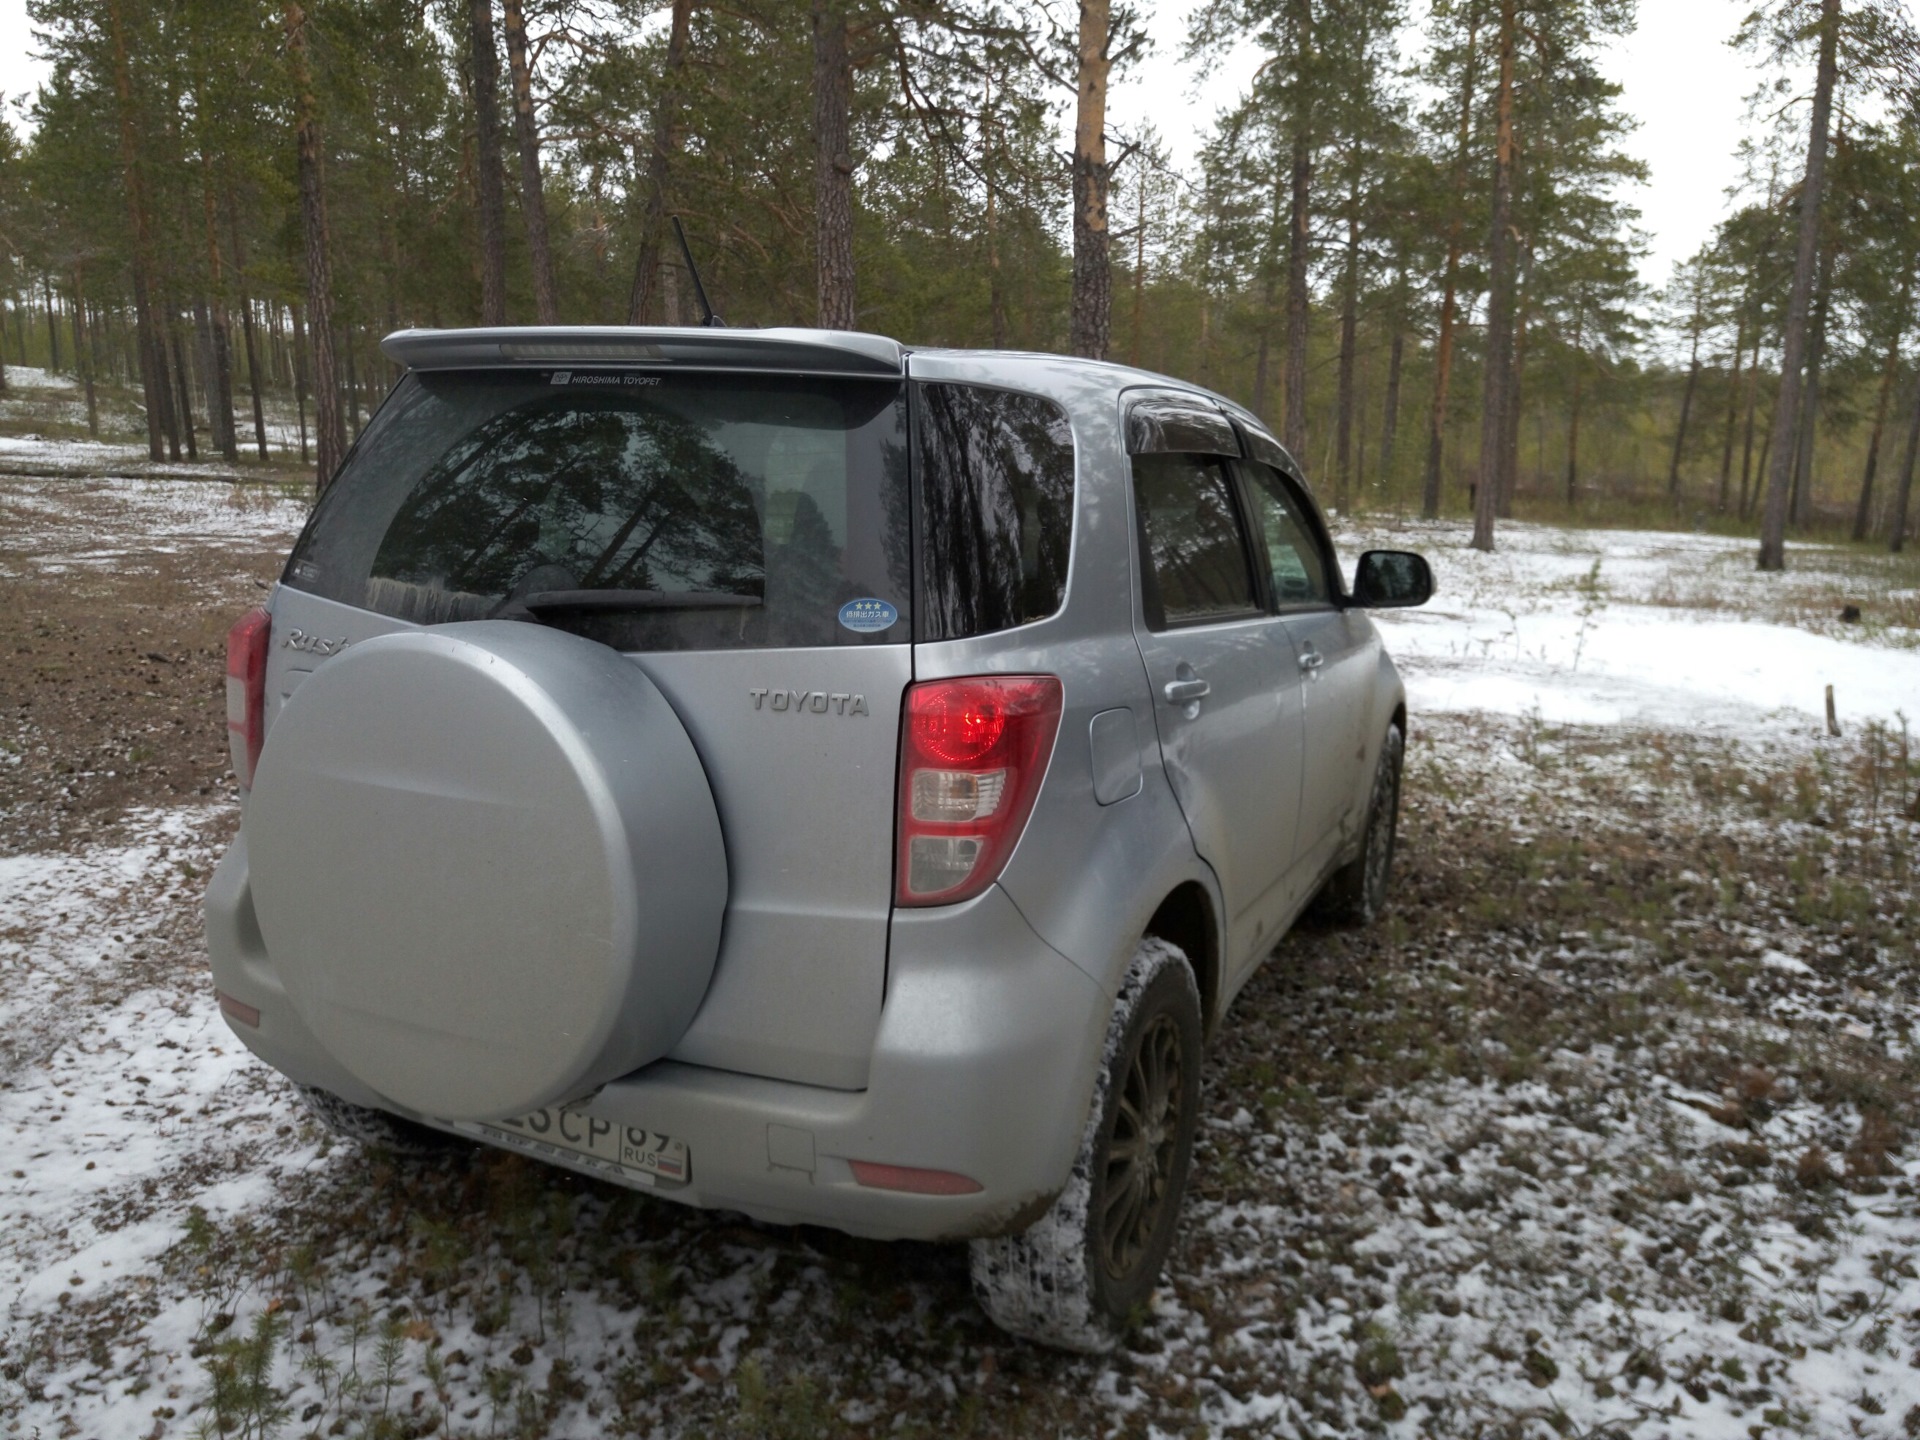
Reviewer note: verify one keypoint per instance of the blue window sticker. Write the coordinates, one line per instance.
(868, 615)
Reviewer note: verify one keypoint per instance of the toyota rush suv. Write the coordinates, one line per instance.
(785, 771)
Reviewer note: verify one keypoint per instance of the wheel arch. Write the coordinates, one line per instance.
(1186, 917)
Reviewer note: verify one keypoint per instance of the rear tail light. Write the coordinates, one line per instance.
(972, 755)
(247, 692)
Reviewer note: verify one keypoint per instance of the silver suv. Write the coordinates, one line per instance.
(785, 771)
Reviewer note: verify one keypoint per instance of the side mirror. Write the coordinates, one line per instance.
(1391, 579)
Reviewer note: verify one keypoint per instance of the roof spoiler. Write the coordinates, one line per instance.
(797, 351)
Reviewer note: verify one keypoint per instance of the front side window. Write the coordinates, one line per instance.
(996, 498)
(1192, 541)
(1298, 564)
(647, 511)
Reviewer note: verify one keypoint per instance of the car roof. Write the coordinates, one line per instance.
(779, 349)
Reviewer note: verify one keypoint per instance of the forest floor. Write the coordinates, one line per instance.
(1604, 1130)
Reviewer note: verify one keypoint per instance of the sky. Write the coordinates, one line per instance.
(1683, 81)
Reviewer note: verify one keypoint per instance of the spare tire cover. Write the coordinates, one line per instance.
(487, 866)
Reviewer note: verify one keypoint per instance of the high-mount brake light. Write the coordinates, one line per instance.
(972, 753)
(247, 692)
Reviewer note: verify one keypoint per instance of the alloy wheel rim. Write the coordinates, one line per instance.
(1142, 1151)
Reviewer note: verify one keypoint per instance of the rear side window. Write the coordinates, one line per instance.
(996, 499)
(1192, 541)
(647, 511)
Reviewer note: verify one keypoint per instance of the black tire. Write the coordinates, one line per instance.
(1356, 893)
(375, 1128)
(1077, 1278)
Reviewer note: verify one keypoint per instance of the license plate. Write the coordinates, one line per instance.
(573, 1138)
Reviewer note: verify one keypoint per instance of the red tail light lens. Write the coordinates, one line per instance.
(972, 754)
(247, 692)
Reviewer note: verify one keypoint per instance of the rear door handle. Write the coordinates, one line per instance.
(1187, 692)
(1311, 660)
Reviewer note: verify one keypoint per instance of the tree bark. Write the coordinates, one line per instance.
(832, 168)
(329, 438)
(1450, 286)
(488, 180)
(1773, 524)
(1863, 510)
(152, 371)
(533, 198)
(1493, 412)
(1091, 321)
(663, 149)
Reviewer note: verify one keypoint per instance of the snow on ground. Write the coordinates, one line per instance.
(1604, 1131)
(60, 525)
(1600, 627)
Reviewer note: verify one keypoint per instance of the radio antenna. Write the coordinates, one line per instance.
(708, 318)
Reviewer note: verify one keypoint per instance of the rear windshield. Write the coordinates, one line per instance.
(647, 511)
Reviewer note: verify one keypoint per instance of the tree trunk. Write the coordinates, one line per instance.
(53, 324)
(1091, 321)
(1686, 411)
(299, 360)
(1773, 524)
(1510, 421)
(533, 197)
(1299, 244)
(1573, 445)
(1753, 406)
(1349, 344)
(1898, 539)
(1809, 427)
(85, 353)
(152, 372)
(1733, 413)
(246, 327)
(182, 384)
(1390, 422)
(1449, 303)
(1499, 365)
(832, 167)
(1139, 263)
(329, 438)
(489, 181)
(659, 167)
(1863, 511)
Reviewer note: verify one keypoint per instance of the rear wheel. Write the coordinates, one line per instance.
(1356, 893)
(1077, 1278)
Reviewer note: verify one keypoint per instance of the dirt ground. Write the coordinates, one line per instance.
(1604, 1130)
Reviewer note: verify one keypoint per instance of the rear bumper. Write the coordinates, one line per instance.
(983, 1066)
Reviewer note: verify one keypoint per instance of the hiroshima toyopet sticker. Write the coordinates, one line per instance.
(868, 615)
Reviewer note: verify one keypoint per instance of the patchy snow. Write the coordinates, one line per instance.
(59, 525)
(1500, 1165)
(1609, 627)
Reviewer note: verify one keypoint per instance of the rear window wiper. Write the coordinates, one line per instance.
(543, 600)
